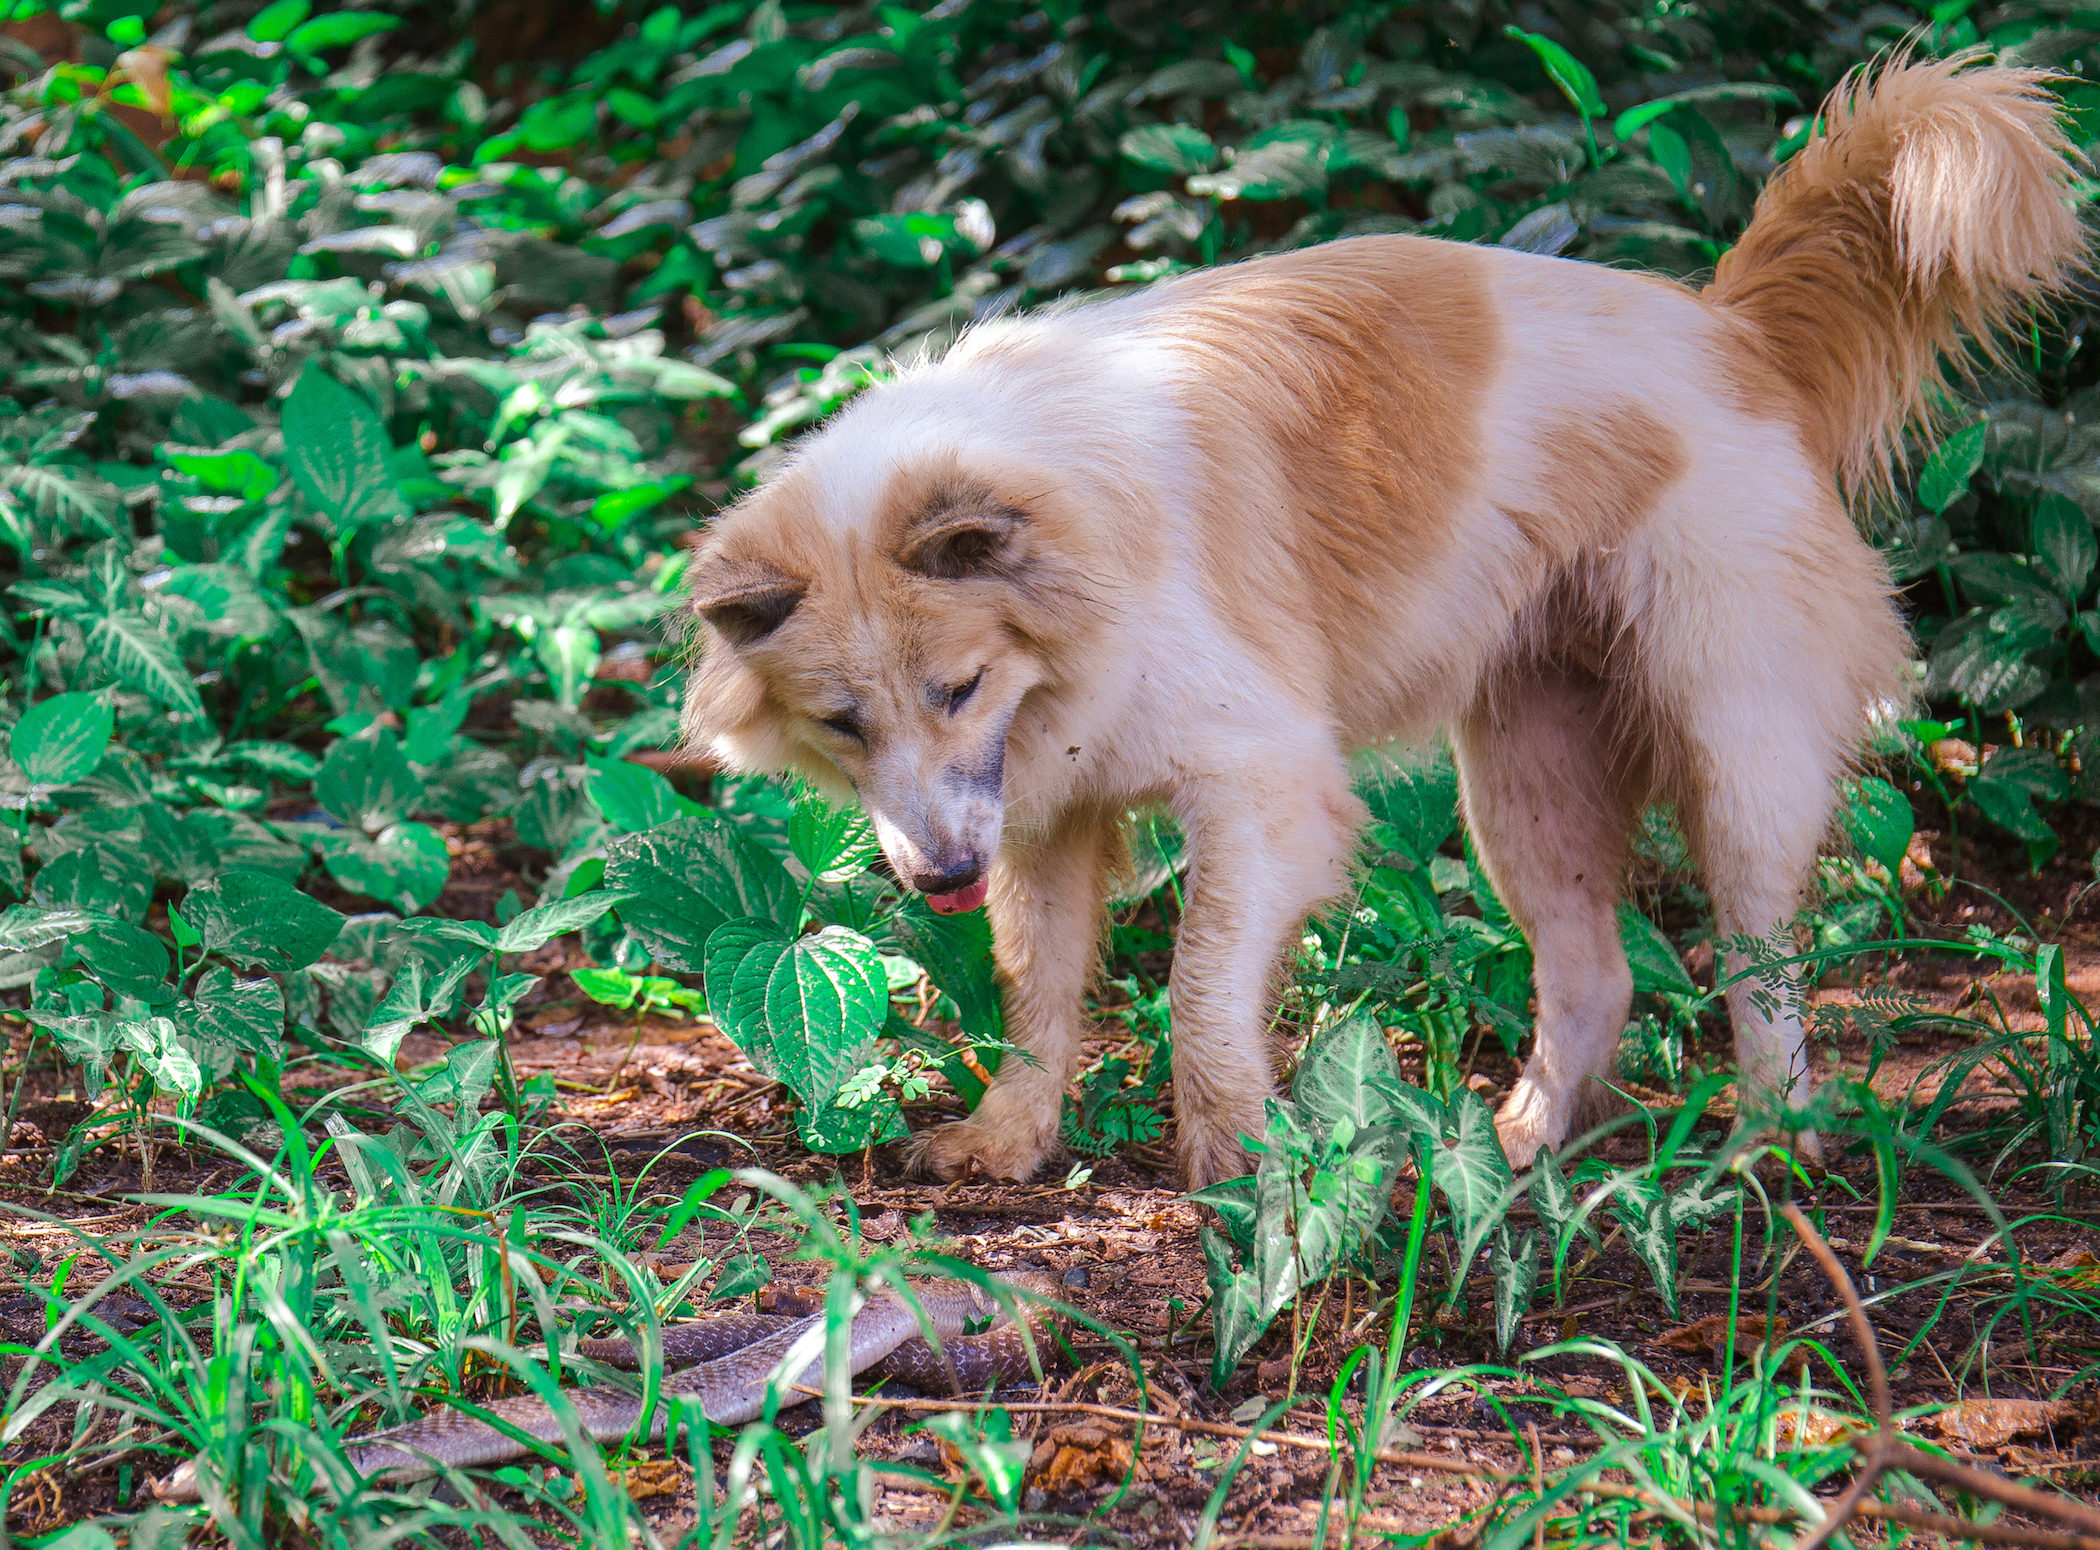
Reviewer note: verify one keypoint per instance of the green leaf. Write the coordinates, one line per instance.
(275, 20)
(160, 1048)
(1348, 1074)
(607, 987)
(334, 440)
(827, 839)
(1173, 148)
(541, 924)
(804, 1009)
(1633, 120)
(138, 652)
(1879, 820)
(1233, 1200)
(1643, 1213)
(260, 921)
(569, 652)
(1470, 1168)
(2063, 541)
(420, 994)
(338, 29)
(1564, 70)
(131, 962)
(740, 1276)
(1515, 1269)
(248, 1014)
(956, 953)
(103, 877)
(685, 878)
(1415, 806)
(60, 739)
(1655, 964)
(1947, 472)
(633, 797)
(367, 781)
(405, 864)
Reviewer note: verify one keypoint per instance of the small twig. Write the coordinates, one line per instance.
(1888, 1449)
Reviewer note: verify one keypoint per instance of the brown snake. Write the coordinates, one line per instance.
(725, 1362)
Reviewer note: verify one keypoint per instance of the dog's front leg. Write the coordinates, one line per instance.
(1266, 854)
(1046, 907)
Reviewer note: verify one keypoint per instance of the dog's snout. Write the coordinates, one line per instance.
(953, 880)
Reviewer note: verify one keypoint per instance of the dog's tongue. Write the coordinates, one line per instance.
(960, 903)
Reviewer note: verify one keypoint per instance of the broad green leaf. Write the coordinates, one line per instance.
(2063, 541)
(634, 797)
(607, 987)
(246, 1013)
(159, 1047)
(826, 838)
(1643, 1213)
(404, 864)
(956, 953)
(2010, 807)
(1415, 806)
(1879, 820)
(1233, 1200)
(260, 921)
(235, 471)
(1348, 1073)
(367, 781)
(131, 962)
(804, 1009)
(1471, 1170)
(740, 1276)
(1655, 964)
(569, 652)
(1515, 1269)
(1564, 70)
(1633, 120)
(103, 876)
(419, 994)
(139, 654)
(541, 924)
(337, 446)
(337, 29)
(275, 20)
(1947, 472)
(24, 927)
(1173, 148)
(685, 878)
(60, 739)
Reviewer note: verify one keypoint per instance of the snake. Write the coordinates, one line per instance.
(725, 1362)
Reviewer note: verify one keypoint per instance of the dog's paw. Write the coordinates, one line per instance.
(949, 1151)
(1530, 1119)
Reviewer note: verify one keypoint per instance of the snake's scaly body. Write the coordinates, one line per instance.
(725, 1363)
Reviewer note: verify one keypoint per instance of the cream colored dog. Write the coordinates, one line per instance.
(1195, 545)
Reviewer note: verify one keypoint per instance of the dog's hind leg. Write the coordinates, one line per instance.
(1551, 797)
(1765, 678)
(1046, 908)
(1269, 846)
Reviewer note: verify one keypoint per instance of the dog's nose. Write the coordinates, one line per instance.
(955, 880)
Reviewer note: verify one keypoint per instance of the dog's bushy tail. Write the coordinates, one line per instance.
(1934, 202)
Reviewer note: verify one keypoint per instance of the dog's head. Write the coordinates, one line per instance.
(880, 630)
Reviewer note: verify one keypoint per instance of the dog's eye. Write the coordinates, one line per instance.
(846, 725)
(959, 696)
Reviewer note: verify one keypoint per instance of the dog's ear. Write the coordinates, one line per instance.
(954, 542)
(744, 600)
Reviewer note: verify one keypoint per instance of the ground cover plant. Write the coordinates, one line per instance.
(389, 1009)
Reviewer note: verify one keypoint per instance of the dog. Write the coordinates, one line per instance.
(1193, 546)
